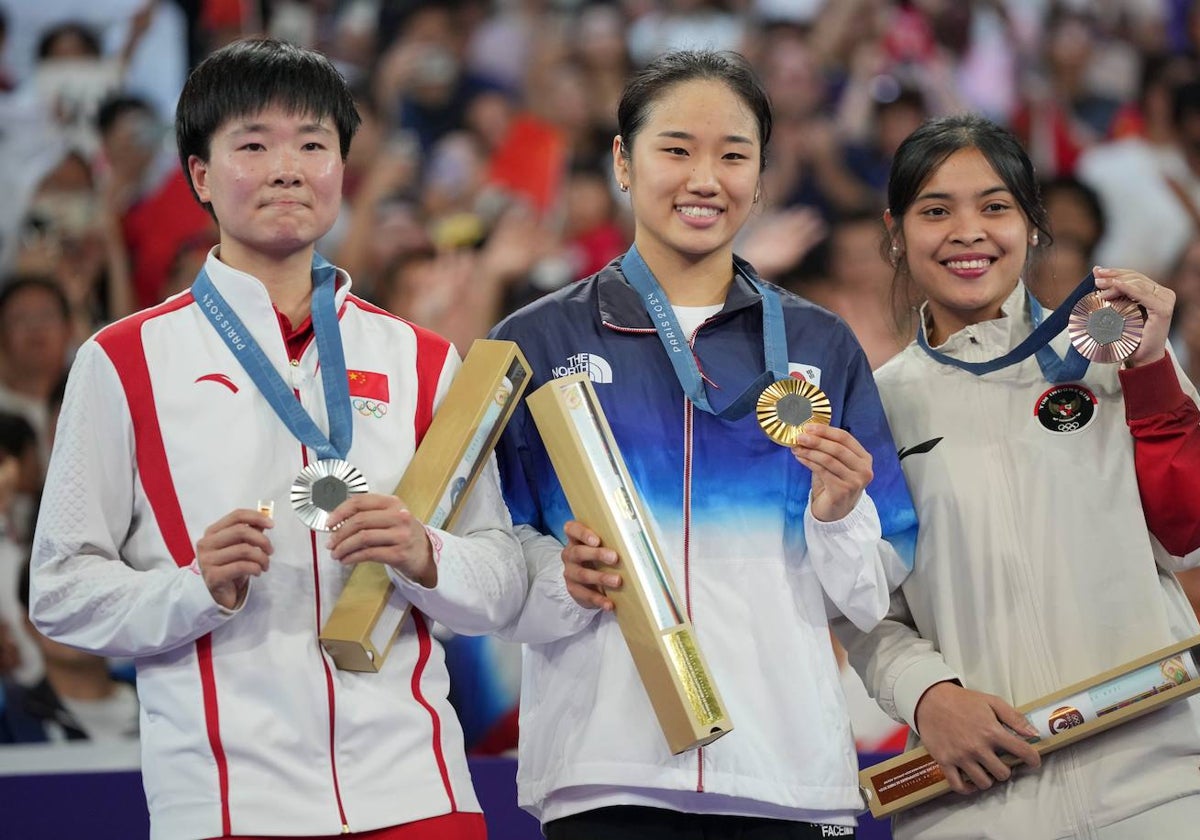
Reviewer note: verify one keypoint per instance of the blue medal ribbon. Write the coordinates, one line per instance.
(1070, 368)
(277, 392)
(679, 350)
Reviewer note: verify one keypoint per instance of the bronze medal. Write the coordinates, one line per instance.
(1105, 331)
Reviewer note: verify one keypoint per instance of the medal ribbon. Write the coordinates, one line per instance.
(679, 350)
(278, 393)
(1070, 368)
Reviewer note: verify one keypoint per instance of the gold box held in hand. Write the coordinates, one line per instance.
(1079, 711)
(602, 496)
(370, 611)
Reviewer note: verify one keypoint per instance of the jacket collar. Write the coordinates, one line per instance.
(621, 305)
(996, 336)
(247, 296)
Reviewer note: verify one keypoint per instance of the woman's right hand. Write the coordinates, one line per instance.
(585, 567)
(967, 731)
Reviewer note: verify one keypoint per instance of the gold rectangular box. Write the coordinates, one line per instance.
(368, 614)
(601, 494)
(1064, 717)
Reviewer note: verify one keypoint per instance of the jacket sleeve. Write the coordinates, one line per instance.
(1165, 424)
(863, 557)
(84, 592)
(481, 575)
(549, 612)
(895, 663)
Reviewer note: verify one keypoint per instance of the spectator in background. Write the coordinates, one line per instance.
(35, 343)
(1061, 115)
(1185, 330)
(20, 487)
(145, 190)
(1077, 225)
(77, 698)
(422, 83)
(858, 288)
(72, 237)
(1145, 182)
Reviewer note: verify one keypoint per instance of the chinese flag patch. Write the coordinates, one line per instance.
(369, 384)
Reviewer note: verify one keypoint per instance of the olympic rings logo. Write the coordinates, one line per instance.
(1067, 427)
(370, 408)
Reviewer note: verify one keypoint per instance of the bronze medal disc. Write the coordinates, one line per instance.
(321, 487)
(1105, 331)
(786, 406)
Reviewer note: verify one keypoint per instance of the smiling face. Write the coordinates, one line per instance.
(274, 181)
(965, 240)
(692, 171)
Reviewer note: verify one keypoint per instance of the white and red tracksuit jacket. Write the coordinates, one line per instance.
(247, 727)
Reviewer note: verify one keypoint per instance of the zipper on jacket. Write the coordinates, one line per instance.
(688, 410)
(337, 789)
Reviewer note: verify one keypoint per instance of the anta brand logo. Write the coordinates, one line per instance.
(1065, 409)
(596, 367)
(919, 449)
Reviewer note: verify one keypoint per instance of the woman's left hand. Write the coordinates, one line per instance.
(1156, 299)
(372, 527)
(841, 470)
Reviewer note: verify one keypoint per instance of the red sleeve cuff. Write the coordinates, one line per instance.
(1151, 389)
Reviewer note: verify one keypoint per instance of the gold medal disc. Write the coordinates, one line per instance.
(786, 406)
(1105, 331)
(321, 487)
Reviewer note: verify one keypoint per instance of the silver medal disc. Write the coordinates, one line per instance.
(321, 487)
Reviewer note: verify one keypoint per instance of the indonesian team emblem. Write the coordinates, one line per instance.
(1065, 409)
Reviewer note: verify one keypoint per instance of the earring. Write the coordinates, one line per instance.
(624, 187)
(1033, 240)
(894, 253)
(756, 196)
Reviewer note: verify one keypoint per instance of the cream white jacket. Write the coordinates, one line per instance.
(247, 727)
(1034, 569)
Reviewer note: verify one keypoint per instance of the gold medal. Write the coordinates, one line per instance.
(786, 406)
(1105, 331)
(321, 487)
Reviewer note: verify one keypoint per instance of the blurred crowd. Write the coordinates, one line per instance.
(482, 176)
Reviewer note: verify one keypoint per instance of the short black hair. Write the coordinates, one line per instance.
(20, 282)
(246, 76)
(673, 68)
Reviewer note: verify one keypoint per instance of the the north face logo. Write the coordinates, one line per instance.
(596, 367)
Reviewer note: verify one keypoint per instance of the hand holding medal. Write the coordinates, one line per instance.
(234, 549)
(1125, 289)
(377, 528)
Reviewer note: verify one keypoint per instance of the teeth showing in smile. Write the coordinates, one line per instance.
(699, 212)
(967, 265)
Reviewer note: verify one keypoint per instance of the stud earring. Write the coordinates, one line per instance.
(1033, 240)
(894, 253)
